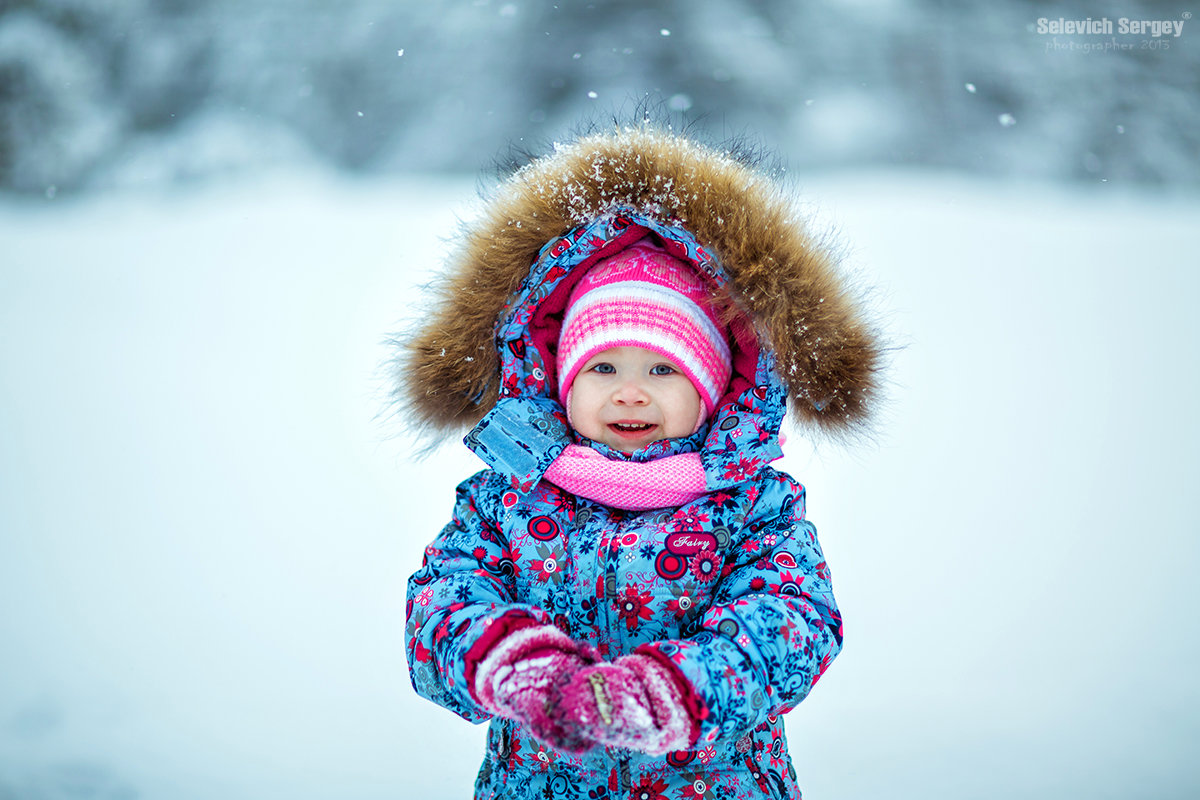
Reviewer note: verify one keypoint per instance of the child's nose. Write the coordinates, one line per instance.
(630, 393)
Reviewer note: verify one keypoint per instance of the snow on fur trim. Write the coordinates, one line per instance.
(827, 350)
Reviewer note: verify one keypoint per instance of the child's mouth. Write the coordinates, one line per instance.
(631, 428)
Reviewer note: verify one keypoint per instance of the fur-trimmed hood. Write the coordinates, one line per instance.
(826, 350)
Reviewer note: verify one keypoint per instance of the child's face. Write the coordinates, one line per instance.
(628, 397)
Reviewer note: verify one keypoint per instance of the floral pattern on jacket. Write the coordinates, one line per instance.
(732, 588)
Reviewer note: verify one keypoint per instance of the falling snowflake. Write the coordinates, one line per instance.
(679, 102)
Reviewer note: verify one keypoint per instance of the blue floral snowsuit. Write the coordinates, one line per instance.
(733, 587)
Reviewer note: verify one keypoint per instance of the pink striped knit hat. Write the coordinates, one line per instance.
(645, 297)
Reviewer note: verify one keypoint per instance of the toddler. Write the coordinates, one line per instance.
(629, 592)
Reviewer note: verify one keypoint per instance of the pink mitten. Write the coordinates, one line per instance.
(635, 702)
(519, 673)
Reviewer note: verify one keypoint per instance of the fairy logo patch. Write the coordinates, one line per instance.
(688, 543)
(693, 551)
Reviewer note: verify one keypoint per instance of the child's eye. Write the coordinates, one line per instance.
(604, 368)
(662, 369)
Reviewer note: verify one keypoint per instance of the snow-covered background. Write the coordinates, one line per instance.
(205, 531)
(212, 214)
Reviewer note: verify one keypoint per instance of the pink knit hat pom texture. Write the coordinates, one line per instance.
(645, 297)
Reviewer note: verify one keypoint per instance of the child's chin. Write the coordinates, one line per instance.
(627, 446)
(619, 443)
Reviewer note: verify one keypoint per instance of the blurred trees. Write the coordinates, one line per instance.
(117, 92)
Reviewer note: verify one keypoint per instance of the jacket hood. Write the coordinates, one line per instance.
(796, 322)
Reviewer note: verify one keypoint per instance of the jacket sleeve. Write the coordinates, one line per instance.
(773, 627)
(461, 599)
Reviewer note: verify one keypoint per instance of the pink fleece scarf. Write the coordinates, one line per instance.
(665, 482)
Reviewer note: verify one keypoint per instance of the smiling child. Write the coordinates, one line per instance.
(629, 592)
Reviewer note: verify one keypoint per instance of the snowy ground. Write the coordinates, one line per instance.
(205, 532)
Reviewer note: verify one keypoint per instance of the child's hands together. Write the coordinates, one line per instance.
(569, 698)
(633, 702)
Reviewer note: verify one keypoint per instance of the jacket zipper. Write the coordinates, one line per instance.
(611, 555)
(624, 778)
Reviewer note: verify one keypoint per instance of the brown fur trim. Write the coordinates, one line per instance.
(828, 353)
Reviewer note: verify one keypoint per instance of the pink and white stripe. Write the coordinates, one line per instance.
(644, 297)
